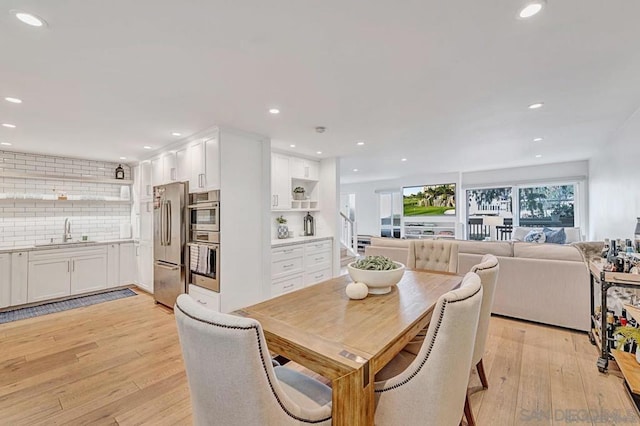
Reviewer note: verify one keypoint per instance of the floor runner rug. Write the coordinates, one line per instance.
(63, 305)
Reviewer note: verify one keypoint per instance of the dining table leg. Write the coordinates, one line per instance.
(353, 398)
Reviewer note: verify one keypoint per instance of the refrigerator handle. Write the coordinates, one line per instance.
(162, 223)
(168, 223)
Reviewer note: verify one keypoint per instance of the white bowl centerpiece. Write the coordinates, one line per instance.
(379, 273)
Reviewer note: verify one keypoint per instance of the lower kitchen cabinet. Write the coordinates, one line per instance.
(59, 273)
(19, 274)
(5, 280)
(145, 266)
(113, 265)
(128, 264)
(207, 298)
(297, 265)
(88, 273)
(49, 279)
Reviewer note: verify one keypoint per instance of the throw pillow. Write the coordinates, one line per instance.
(555, 236)
(535, 236)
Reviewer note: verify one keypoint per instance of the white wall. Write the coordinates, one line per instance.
(367, 215)
(28, 222)
(330, 206)
(245, 238)
(614, 184)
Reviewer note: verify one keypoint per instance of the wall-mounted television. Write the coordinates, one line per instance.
(429, 200)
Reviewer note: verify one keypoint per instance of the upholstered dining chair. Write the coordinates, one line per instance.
(435, 255)
(431, 390)
(231, 377)
(487, 270)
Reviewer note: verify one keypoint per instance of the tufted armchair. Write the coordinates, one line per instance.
(435, 255)
(487, 270)
(231, 378)
(431, 390)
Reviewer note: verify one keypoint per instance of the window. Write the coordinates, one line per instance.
(551, 205)
(390, 214)
(482, 202)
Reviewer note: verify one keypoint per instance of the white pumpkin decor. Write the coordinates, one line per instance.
(357, 290)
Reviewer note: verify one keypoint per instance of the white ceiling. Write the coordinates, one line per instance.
(444, 84)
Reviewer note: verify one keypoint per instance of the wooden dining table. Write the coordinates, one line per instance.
(349, 341)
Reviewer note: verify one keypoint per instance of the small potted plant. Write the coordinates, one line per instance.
(298, 193)
(629, 334)
(283, 230)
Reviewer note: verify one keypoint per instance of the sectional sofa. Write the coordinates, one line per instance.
(545, 283)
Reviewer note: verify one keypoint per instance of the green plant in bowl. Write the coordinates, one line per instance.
(379, 273)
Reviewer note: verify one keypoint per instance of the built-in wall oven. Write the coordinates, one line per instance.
(204, 239)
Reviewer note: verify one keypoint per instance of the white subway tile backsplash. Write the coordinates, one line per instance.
(30, 222)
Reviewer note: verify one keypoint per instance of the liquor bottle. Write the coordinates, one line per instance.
(605, 249)
(611, 255)
(637, 236)
(628, 247)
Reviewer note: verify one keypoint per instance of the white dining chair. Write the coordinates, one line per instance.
(487, 270)
(432, 389)
(434, 255)
(231, 377)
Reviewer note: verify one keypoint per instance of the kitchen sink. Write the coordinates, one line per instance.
(62, 243)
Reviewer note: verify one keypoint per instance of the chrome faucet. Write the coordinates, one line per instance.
(67, 230)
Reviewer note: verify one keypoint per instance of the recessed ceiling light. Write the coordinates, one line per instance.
(360, 143)
(147, 147)
(318, 152)
(11, 126)
(355, 170)
(176, 134)
(29, 18)
(537, 139)
(531, 8)
(123, 158)
(538, 155)
(404, 159)
(274, 111)
(13, 100)
(5, 143)
(536, 105)
(292, 146)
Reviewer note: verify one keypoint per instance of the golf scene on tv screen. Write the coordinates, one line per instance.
(429, 200)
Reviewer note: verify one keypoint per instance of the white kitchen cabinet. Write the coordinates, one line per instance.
(206, 298)
(128, 264)
(286, 285)
(5, 280)
(314, 277)
(19, 274)
(183, 164)
(145, 266)
(169, 167)
(211, 164)
(113, 265)
(280, 182)
(49, 279)
(204, 158)
(294, 266)
(157, 172)
(146, 221)
(146, 184)
(302, 168)
(61, 272)
(88, 273)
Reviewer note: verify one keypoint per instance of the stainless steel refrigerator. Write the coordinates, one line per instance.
(169, 242)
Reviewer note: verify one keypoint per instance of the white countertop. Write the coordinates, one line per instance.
(297, 240)
(63, 245)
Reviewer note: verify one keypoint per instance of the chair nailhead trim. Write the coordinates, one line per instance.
(264, 366)
(431, 343)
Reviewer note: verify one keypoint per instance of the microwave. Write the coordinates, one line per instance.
(204, 211)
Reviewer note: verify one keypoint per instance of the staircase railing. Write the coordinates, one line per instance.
(349, 236)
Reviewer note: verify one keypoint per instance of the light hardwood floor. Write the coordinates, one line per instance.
(119, 362)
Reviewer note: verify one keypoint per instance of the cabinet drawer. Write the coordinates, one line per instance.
(287, 252)
(287, 285)
(318, 246)
(208, 299)
(317, 276)
(313, 260)
(286, 267)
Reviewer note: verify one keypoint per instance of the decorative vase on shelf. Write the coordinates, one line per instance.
(283, 231)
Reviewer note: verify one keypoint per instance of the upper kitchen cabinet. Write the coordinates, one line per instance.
(183, 164)
(169, 167)
(304, 169)
(157, 172)
(205, 165)
(280, 182)
(146, 185)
